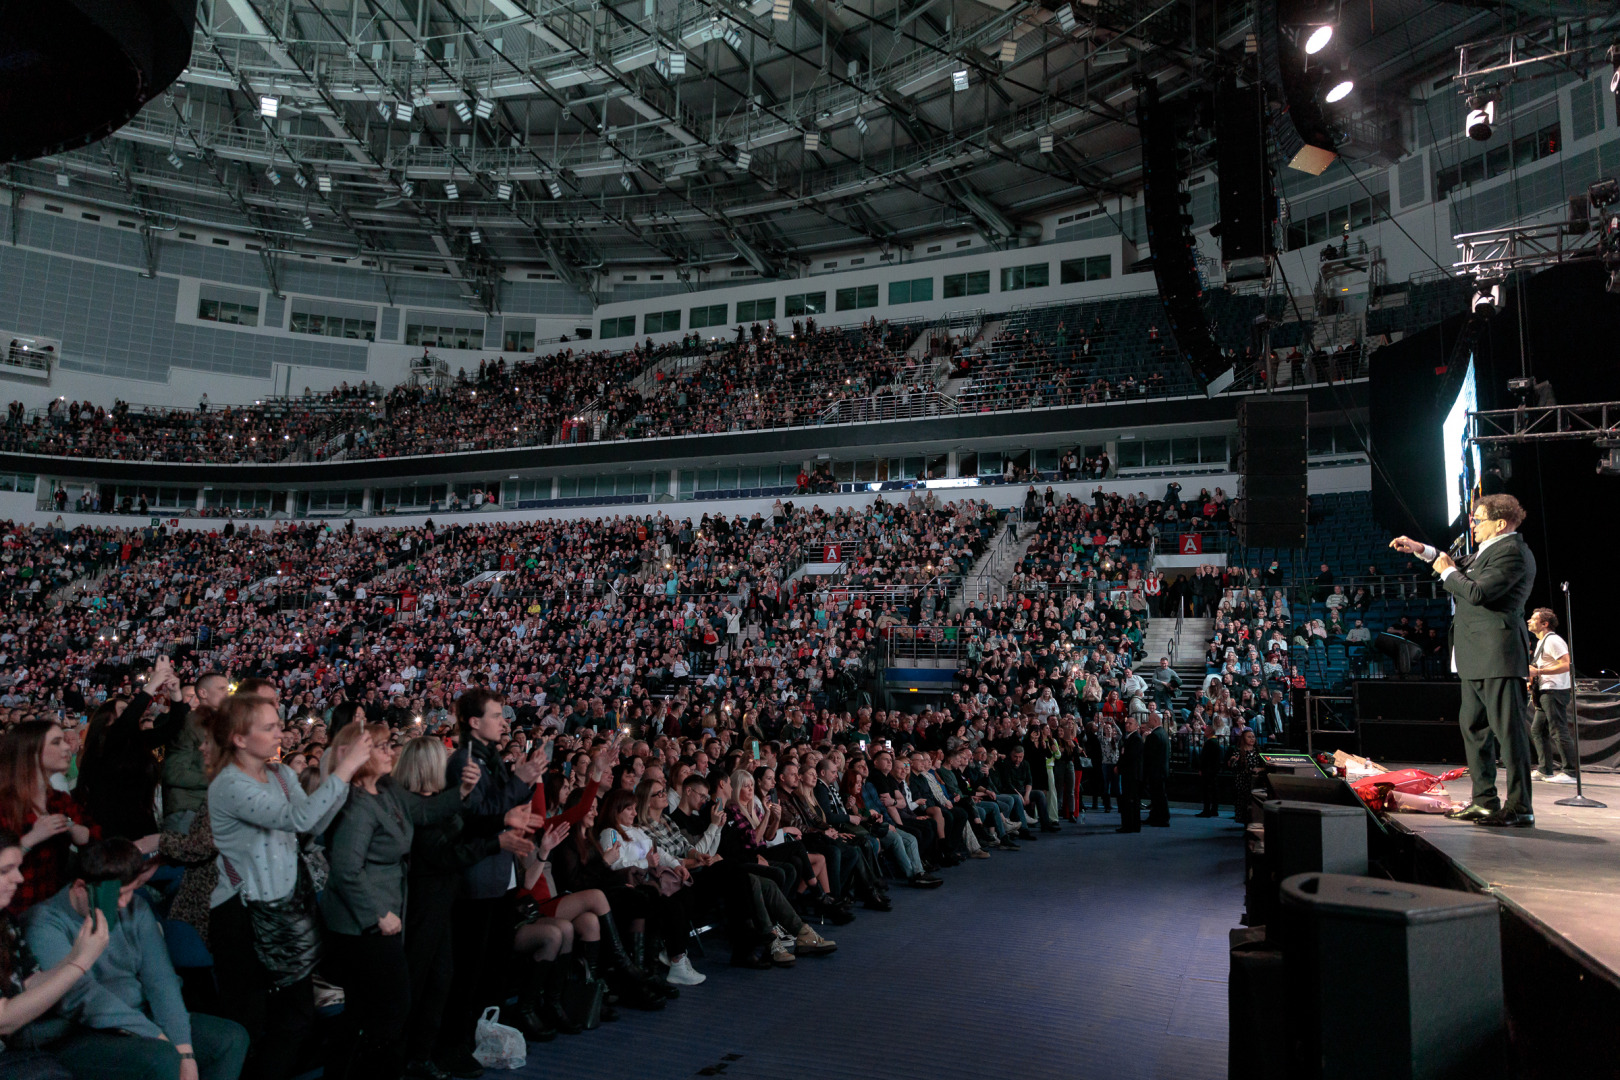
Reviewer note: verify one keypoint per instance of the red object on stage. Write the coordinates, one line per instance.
(1376, 790)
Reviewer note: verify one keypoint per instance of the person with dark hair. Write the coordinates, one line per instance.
(1550, 686)
(28, 991)
(125, 1016)
(118, 769)
(49, 821)
(1490, 651)
(184, 774)
(1131, 752)
(483, 917)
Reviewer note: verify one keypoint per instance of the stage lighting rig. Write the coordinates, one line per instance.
(1481, 114)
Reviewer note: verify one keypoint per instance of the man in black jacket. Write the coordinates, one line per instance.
(1130, 776)
(1210, 757)
(1156, 770)
(1490, 650)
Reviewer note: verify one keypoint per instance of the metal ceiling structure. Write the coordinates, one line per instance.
(582, 134)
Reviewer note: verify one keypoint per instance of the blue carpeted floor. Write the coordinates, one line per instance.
(1086, 955)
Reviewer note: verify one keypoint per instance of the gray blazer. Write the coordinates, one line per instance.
(367, 849)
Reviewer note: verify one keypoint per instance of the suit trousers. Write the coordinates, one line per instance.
(1130, 804)
(481, 937)
(1158, 800)
(1493, 721)
(1553, 722)
(376, 983)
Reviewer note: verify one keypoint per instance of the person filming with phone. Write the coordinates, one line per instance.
(124, 1016)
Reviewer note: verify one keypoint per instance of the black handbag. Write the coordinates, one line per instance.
(287, 933)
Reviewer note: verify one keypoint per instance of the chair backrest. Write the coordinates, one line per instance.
(186, 948)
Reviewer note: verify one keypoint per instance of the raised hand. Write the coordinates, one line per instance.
(1407, 545)
(470, 775)
(554, 835)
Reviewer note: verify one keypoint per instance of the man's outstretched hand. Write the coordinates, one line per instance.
(1407, 545)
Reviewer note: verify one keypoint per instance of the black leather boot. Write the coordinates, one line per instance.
(633, 986)
(533, 1018)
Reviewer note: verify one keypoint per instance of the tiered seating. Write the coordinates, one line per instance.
(1076, 353)
(1427, 303)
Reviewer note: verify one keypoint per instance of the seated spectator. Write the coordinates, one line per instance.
(124, 1017)
(48, 819)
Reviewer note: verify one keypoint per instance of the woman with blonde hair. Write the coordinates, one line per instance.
(263, 926)
(364, 903)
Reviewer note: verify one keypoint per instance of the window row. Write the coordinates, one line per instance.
(1330, 225)
(337, 326)
(223, 311)
(450, 337)
(1482, 165)
(1157, 453)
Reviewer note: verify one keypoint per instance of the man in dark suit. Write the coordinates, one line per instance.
(1130, 776)
(1210, 758)
(1156, 770)
(1490, 650)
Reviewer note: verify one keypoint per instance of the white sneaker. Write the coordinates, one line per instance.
(1561, 778)
(1537, 774)
(682, 973)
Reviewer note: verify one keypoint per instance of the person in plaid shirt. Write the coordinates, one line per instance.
(49, 821)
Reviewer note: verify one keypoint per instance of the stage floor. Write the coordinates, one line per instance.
(1564, 874)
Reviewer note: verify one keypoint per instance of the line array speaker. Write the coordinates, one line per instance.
(1244, 175)
(1275, 504)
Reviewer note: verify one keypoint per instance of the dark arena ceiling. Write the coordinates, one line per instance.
(485, 134)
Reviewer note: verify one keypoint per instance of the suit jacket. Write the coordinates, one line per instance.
(1130, 758)
(1488, 635)
(497, 792)
(1156, 755)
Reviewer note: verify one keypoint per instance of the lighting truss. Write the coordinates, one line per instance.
(1495, 253)
(1545, 423)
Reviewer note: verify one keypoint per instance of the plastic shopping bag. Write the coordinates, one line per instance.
(499, 1046)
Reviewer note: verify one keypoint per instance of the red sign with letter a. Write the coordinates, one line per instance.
(1192, 544)
(830, 553)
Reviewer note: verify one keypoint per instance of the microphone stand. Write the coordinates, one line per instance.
(1578, 799)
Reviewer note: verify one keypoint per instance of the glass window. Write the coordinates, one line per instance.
(1212, 449)
(756, 310)
(1032, 276)
(520, 341)
(712, 315)
(814, 303)
(915, 291)
(1130, 454)
(1156, 452)
(853, 299)
(1183, 451)
(973, 283)
(658, 322)
(1091, 268)
(611, 328)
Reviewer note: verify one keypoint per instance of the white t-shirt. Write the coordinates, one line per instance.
(1550, 648)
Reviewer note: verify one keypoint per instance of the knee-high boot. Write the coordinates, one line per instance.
(632, 985)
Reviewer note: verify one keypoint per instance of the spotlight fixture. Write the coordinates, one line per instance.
(63, 179)
(476, 237)
(733, 37)
(324, 184)
(676, 64)
(861, 125)
(1318, 39)
(483, 109)
(812, 141)
(781, 10)
(384, 109)
(1047, 143)
(422, 99)
(959, 80)
(503, 190)
(463, 112)
(1340, 91)
(1066, 18)
(451, 191)
(268, 105)
(624, 181)
(1604, 193)
(1481, 115)
(1009, 51)
(555, 189)
(174, 159)
(744, 159)
(407, 188)
(1487, 299)
(403, 111)
(271, 174)
(309, 226)
(300, 179)
(1251, 45)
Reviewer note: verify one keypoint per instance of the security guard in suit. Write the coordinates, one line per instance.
(1490, 650)
(1130, 776)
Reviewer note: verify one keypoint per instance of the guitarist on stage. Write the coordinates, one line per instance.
(1549, 701)
(1490, 652)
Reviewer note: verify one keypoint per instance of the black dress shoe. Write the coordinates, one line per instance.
(1507, 819)
(460, 1063)
(1471, 812)
(925, 881)
(1124, 829)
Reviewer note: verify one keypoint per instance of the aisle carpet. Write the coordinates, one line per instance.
(1085, 955)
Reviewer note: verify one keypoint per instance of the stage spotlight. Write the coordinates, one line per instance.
(624, 182)
(271, 174)
(463, 112)
(407, 188)
(959, 80)
(555, 189)
(1481, 115)
(1340, 92)
(63, 179)
(484, 109)
(677, 64)
(324, 184)
(403, 111)
(298, 178)
(1487, 299)
(268, 105)
(451, 191)
(503, 191)
(744, 159)
(1603, 193)
(1319, 39)
(384, 109)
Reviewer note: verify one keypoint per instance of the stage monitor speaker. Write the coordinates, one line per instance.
(1401, 982)
(1243, 173)
(1437, 700)
(1315, 838)
(1411, 742)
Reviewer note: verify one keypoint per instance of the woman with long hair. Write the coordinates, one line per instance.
(48, 821)
(257, 808)
(118, 768)
(26, 992)
(626, 847)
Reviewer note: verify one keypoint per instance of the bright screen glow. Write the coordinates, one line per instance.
(1454, 433)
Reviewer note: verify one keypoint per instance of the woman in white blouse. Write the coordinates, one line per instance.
(626, 847)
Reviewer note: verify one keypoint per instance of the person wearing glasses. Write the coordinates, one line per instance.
(1490, 650)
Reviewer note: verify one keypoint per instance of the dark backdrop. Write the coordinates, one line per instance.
(1569, 328)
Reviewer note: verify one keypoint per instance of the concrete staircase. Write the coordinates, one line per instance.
(990, 573)
(1189, 658)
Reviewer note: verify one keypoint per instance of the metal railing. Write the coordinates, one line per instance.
(917, 646)
(888, 404)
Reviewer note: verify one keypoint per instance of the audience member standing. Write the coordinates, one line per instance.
(1156, 770)
(1130, 776)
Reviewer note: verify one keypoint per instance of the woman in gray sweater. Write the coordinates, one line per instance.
(364, 903)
